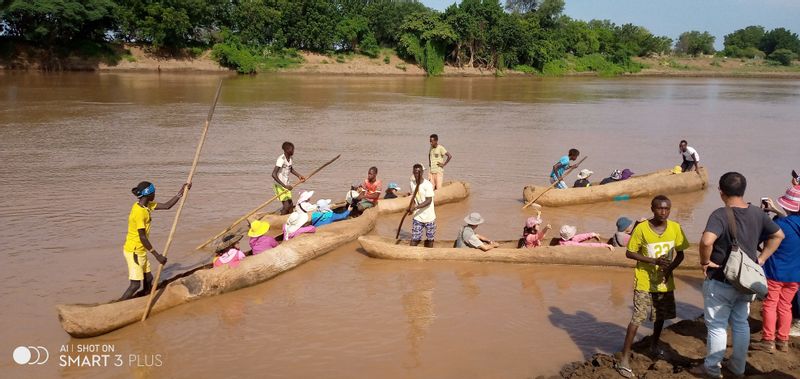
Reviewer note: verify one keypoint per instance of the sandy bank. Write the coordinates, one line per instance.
(684, 347)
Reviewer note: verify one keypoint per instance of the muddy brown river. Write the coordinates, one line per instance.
(72, 145)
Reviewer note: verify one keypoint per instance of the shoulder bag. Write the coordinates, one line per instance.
(740, 270)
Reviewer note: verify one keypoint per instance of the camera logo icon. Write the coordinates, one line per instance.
(31, 355)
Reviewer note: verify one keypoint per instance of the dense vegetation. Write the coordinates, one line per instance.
(253, 35)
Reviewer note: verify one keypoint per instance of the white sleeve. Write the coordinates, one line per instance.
(281, 160)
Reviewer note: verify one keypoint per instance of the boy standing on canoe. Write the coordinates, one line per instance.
(437, 161)
(423, 211)
(280, 173)
(566, 162)
(137, 243)
(690, 157)
(652, 245)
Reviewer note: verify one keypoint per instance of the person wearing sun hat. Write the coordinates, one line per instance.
(259, 240)
(324, 215)
(391, 191)
(569, 237)
(467, 237)
(583, 179)
(625, 227)
(295, 223)
(615, 177)
(532, 233)
(227, 251)
(782, 270)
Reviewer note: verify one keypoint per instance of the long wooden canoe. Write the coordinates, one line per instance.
(389, 248)
(82, 320)
(661, 182)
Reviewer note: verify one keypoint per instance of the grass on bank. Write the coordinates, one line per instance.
(589, 63)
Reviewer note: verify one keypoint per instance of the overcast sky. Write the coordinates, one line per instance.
(673, 17)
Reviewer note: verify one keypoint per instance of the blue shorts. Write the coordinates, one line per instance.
(416, 230)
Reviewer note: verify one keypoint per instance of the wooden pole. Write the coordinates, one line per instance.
(555, 183)
(183, 200)
(413, 198)
(264, 204)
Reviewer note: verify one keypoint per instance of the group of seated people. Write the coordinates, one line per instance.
(616, 176)
(305, 218)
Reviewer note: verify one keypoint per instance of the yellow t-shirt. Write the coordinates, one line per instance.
(646, 242)
(437, 155)
(138, 219)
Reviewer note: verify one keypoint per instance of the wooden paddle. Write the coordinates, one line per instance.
(264, 204)
(411, 204)
(556, 182)
(183, 200)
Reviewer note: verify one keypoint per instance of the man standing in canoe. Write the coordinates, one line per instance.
(280, 173)
(423, 211)
(652, 245)
(137, 243)
(690, 157)
(437, 161)
(566, 162)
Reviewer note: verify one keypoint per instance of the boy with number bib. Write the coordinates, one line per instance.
(652, 245)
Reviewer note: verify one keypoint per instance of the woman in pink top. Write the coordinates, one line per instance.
(570, 238)
(228, 252)
(532, 233)
(259, 240)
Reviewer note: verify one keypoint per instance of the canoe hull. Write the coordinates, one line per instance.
(80, 320)
(662, 182)
(386, 248)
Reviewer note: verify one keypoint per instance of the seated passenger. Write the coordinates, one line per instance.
(624, 229)
(570, 238)
(532, 233)
(227, 251)
(295, 223)
(259, 240)
(615, 177)
(626, 174)
(324, 215)
(583, 179)
(467, 238)
(391, 191)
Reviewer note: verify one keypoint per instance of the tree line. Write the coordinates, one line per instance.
(528, 35)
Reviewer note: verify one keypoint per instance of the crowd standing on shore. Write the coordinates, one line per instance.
(738, 232)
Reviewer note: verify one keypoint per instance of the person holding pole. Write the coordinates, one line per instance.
(280, 173)
(564, 163)
(137, 242)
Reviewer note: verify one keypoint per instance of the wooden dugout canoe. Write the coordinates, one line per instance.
(389, 248)
(81, 320)
(662, 182)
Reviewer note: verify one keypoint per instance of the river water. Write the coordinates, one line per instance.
(72, 145)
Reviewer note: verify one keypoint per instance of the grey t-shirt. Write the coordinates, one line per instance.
(752, 227)
(468, 239)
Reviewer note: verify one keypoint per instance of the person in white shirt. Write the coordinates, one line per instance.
(691, 160)
(422, 209)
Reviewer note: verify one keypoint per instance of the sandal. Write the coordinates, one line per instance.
(626, 372)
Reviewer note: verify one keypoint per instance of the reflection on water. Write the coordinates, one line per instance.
(73, 144)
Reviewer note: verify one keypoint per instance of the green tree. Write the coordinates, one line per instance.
(351, 30)
(695, 43)
(310, 24)
(424, 38)
(170, 23)
(386, 16)
(741, 42)
(779, 38)
(48, 22)
(256, 22)
(783, 56)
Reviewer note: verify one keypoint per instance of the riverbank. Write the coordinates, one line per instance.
(134, 58)
(684, 347)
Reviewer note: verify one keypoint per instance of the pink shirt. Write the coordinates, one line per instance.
(578, 241)
(534, 239)
(231, 257)
(262, 243)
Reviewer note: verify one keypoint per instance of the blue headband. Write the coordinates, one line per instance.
(151, 189)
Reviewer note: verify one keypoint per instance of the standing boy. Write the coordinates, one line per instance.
(283, 166)
(424, 214)
(652, 245)
(565, 162)
(437, 161)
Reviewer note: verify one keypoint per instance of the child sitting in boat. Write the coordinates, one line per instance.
(295, 224)
(625, 227)
(569, 237)
(228, 252)
(391, 191)
(324, 215)
(533, 233)
(259, 240)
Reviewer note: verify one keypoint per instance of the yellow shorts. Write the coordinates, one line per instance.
(283, 193)
(136, 270)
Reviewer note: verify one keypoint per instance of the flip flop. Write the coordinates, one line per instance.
(626, 372)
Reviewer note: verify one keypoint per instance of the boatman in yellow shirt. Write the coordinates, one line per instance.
(437, 161)
(657, 246)
(137, 244)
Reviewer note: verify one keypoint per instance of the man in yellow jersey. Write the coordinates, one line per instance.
(137, 244)
(657, 245)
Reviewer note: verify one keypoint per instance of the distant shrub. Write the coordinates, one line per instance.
(386, 59)
(783, 56)
(525, 69)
